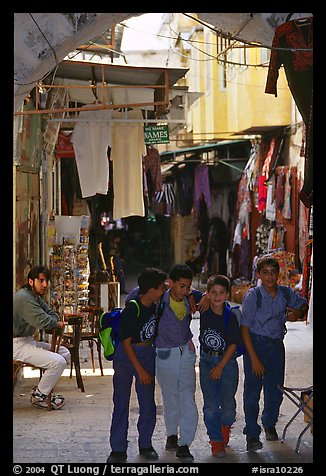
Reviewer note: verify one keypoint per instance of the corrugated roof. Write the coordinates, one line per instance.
(118, 74)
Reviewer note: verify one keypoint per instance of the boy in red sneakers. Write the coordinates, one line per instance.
(218, 367)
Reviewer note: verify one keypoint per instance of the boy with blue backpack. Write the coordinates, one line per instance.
(265, 309)
(134, 357)
(175, 360)
(219, 339)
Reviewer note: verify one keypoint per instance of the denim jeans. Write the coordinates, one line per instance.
(272, 355)
(218, 395)
(124, 372)
(175, 372)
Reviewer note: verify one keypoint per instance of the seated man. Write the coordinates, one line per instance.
(30, 312)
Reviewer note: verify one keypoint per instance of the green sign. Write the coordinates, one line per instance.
(156, 134)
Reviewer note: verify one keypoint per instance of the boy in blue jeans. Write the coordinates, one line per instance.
(175, 360)
(135, 357)
(262, 329)
(218, 366)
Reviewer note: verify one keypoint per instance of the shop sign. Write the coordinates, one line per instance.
(156, 134)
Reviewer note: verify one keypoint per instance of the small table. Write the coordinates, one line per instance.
(304, 406)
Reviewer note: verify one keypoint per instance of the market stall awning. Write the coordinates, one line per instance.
(188, 152)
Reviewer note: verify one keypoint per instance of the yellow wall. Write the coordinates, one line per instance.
(240, 105)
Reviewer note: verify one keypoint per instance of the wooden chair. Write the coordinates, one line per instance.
(71, 340)
(18, 364)
(90, 332)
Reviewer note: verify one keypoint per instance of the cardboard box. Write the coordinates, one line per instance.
(308, 415)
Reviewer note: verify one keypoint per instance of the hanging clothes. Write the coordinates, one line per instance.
(128, 149)
(202, 186)
(152, 167)
(91, 140)
(270, 203)
(287, 212)
(262, 193)
(298, 65)
(279, 191)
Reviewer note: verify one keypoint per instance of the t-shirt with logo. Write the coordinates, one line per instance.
(212, 334)
(139, 327)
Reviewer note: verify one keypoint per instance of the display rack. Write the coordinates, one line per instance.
(69, 264)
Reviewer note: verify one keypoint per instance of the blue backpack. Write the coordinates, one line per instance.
(240, 350)
(108, 333)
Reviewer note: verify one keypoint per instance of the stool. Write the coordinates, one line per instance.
(295, 395)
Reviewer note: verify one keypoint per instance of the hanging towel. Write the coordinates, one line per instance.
(91, 140)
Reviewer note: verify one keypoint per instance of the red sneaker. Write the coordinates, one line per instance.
(218, 449)
(226, 431)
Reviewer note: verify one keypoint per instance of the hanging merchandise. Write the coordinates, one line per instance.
(69, 267)
(91, 139)
(270, 202)
(287, 212)
(128, 149)
(293, 48)
(262, 193)
(152, 168)
(202, 186)
(279, 192)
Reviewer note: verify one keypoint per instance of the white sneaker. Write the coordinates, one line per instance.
(39, 400)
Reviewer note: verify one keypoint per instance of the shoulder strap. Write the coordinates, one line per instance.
(226, 314)
(259, 297)
(286, 293)
(137, 305)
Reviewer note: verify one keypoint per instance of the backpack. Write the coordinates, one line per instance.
(108, 333)
(286, 293)
(240, 350)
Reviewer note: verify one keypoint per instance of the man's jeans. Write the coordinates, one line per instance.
(219, 395)
(272, 355)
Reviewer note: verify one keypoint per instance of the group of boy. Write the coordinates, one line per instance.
(155, 342)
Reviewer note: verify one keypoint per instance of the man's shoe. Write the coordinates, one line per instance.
(117, 457)
(218, 449)
(271, 434)
(253, 443)
(149, 453)
(184, 453)
(40, 400)
(171, 442)
(226, 430)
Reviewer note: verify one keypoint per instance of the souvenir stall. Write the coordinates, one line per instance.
(269, 213)
(69, 264)
(199, 194)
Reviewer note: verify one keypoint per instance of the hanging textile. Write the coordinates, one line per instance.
(262, 193)
(128, 149)
(152, 167)
(287, 212)
(298, 65)
(202, 185)
(91, 140)
(270, 203)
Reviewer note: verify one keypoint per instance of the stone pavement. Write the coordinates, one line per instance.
(78, 433)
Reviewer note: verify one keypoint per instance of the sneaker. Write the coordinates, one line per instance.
(149, 453)
(253, 443)
(117, 457)
(171, 442)
(184, 453)
(40, 400)
(57, 402)
(226, 430)
(271, 434)
(218, 449)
